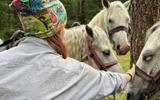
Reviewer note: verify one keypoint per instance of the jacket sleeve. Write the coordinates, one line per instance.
(102, 82)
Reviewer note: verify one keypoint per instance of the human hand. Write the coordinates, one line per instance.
(130, 73)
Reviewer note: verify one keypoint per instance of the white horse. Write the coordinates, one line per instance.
(76, 44)
(114, 20)
(147, 81)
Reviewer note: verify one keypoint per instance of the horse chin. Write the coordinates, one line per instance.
(121, 52)
(134, 93)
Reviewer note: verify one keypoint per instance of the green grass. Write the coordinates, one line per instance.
(125, 63)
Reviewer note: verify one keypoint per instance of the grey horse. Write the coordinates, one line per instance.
(146, 85)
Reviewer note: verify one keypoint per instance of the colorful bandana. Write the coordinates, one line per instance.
(41, 18)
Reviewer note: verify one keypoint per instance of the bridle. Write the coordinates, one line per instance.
(152, 80)
(91, 54)
(117, 29)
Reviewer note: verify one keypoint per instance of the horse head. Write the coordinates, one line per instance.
(115, 20)
(147, 80)
(76, 43)
(101, 45)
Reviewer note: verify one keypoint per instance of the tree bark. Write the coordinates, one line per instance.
(144, 14)
(82, 11)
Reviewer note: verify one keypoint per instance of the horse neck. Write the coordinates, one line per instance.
(75, 42)
(98, 20)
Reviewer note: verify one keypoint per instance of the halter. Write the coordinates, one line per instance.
(91, 54)
(152, 80)
(117, 29)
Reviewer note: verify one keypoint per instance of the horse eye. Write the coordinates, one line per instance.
(147, 57)
(110, 21)
(106, 53)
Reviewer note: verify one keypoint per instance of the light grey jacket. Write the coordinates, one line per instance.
(34, 71)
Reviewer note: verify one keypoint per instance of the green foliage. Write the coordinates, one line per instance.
(9, 22)
(92, 7)
(72, 8)
(124, 61)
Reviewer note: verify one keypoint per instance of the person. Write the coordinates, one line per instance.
(39, 67)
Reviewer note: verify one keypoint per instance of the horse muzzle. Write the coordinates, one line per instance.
(122, 49)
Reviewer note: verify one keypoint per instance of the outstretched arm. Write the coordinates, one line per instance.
(105, 83)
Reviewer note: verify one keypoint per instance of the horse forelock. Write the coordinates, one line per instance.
(118, 5)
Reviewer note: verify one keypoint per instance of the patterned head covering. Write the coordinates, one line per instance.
(41, 18)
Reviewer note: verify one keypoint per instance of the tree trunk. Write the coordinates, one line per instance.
(144, 14)
(82, 11)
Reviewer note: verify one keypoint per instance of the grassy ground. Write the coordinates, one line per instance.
(125, 63)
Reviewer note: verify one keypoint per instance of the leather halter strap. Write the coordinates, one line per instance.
(154, 82)
(91, 53)
(147, 77)
(117, 29)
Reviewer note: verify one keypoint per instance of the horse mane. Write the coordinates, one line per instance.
(1, 41)
(76, 24)
(74, 40)
(98, 19)
(152, 29)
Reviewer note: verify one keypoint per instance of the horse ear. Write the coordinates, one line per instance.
(127, 4)
(105, 3)
(89, 31)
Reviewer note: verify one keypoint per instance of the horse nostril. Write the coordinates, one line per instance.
(128, 96)
(118, 47)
